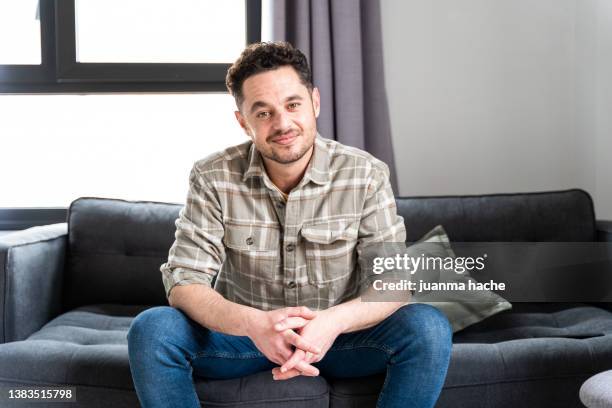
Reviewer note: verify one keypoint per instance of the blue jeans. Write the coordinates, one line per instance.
(412, 346)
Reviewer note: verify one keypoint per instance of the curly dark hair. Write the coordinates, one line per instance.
(266, 56)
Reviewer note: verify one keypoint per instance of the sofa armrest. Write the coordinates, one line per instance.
(31, 271)
(604, 230)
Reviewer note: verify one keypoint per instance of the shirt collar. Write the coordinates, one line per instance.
(317, 170)
(256, 167)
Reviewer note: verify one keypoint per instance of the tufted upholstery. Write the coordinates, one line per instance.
(77, 292)
(551, 216)
(87, 347)
(115, 249)
(115, 246)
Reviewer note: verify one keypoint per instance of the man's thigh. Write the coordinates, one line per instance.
(224, 356)
(353, 362)
(212, 354)
(368, 351)
(356, 354)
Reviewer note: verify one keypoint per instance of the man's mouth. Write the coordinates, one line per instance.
(285, 139)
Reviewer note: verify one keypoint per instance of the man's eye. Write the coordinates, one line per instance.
(263, 115)
(294, 105)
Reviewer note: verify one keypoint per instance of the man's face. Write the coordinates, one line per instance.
(279, 114)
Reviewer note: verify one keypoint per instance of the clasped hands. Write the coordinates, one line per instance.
(311, 333)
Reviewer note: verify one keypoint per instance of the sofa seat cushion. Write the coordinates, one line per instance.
(540, 320)
(88, 347)
(528, 354)
(85, 346)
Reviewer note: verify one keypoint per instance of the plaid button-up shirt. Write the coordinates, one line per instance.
(268, 253)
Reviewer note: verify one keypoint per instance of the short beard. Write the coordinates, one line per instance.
(291, 159)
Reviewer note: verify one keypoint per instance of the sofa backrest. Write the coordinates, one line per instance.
(531, 217)
(115, 247)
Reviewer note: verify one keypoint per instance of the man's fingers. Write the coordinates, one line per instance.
(297, 356)
(299, 342)
(300, 311)
(277, 375)
(310, 357)
(291, 323)
(307, 369)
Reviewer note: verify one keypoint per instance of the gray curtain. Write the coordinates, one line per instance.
(343, 42)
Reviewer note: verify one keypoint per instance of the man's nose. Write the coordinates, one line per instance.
(282, 121)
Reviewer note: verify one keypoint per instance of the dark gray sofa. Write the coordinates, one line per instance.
(69, 292)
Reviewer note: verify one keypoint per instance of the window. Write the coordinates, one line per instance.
(122, 113)
(153, 46)
(136, 147)
(159, 31)
(19, 32)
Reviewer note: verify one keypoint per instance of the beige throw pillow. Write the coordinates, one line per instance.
(462, 308)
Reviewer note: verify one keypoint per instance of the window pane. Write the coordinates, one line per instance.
(162, 31)
(19, 32)
(56, 148)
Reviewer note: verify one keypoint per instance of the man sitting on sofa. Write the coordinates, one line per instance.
(280, 221)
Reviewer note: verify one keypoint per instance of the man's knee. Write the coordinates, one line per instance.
(154, 324)
(428, 327)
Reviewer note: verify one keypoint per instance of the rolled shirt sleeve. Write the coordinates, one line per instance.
(197, 253)
(381, 234)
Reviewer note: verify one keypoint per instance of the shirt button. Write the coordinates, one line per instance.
(280, 205)
(290, 247)
(249, 241)
(291, 285)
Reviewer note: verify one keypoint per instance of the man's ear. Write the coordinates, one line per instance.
(242, 122)
(316, 101)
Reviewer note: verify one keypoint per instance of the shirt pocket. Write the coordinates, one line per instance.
(252, 253)
(330, 250)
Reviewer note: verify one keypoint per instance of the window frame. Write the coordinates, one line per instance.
(59, 72)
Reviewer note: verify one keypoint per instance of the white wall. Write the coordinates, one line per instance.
(500, 95)
(594, 65)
